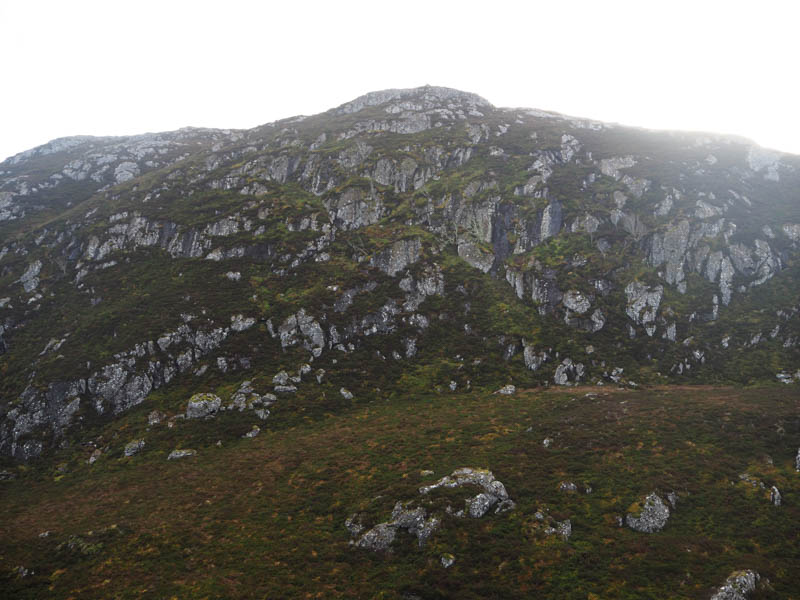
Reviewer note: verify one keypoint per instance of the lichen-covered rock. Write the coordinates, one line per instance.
(775, 496)
(203, 405)
(507, 390)
(482, 478)
(134, 447)
(447, 560)
(415, 521)
(379, 538)
(738, 586)
(346, 394)
(176, 454)
(652, 517)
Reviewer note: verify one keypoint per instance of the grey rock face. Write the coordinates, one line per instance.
(203, 405)
(307, 328)
(134, 447)
(568, 372)
(507, 390)
(447, 560)
(652, 518)
(551, 220)
(643, 303)
(774, 496)
(738, 586)
(354, 208)
(126, 171)
(576, 301)
(398, 256)
(797, 461)
(671, 249)
(470, 252)
(611, 166)
(30, 278)
(346, 394)
(176, 454)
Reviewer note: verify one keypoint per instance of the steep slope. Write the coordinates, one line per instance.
(408, 241)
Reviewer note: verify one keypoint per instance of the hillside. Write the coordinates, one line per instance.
(407, 255)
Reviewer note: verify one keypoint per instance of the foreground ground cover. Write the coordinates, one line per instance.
(264, 517)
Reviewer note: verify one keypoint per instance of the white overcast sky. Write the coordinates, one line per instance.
(113, 68)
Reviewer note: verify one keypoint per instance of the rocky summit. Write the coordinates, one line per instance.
(412, 252)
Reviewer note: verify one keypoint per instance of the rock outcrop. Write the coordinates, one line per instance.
(651, 518)
(738, 586)
(417, 520)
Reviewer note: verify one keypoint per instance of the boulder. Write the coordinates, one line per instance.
(738, 586)
(202, 406)
(175, 454)
(378, 538)
(652, 518)
(253, 432)
(567, 486)
(155, 417)
(507, 390)
(482, 478)
(134, 447)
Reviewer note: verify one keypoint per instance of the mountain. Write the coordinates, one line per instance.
(410, 244)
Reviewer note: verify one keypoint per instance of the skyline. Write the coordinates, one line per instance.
(89, 68)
